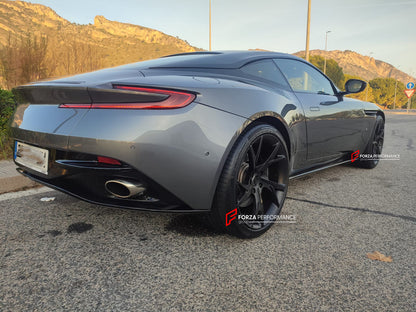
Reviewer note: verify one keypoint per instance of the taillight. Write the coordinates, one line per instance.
(162, 99)
(108, 160)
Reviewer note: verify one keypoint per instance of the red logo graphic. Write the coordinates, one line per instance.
(230, 216)
(355, 155)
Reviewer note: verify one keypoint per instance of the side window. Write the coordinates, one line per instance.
(265, 69)
(304, 78)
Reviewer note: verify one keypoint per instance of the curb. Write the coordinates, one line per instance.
(411, 113)
(11, 180)
(16, 183)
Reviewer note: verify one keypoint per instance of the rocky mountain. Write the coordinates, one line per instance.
(73, 48)
(365, 67)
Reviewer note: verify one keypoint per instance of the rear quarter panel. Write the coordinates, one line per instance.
(180, 149)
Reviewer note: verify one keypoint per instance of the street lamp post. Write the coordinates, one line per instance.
(210, 25)
(308, 28)
(326, 48)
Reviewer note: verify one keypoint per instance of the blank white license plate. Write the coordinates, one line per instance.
(32, 157)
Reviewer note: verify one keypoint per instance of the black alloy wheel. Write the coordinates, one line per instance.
(253, 184)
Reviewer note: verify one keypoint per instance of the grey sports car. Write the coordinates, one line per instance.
(218, 133)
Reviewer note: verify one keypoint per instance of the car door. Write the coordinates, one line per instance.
(334, 125)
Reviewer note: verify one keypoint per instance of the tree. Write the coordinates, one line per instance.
(22, 60)
(9, 62)
(78, 57)
(366, 95)
(333, 70)
(7, 107)
(32, 53)
(384, 89)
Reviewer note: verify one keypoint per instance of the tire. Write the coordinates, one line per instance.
(374, 146)
(254, 181)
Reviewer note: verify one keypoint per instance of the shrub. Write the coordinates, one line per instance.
(7, 107)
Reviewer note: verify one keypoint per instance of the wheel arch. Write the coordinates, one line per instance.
(381, 113)
(266, 117)
(275, 120)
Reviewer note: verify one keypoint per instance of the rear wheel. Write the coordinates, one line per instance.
(374, 146)
(253, 185)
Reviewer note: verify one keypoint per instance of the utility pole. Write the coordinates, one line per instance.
(326, 48)
(395, 91)
(308, 29)
(368, 83)
(408, 104)
(210, 25)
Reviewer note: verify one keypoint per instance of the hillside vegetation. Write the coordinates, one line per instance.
(383, 91)
(355, 64)
(37, 43)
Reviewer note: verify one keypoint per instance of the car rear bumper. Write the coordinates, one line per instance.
(88, 184)
(180, 152)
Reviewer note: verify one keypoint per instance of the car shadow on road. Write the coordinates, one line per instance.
(191, 225)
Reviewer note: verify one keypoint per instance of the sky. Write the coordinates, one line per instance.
(383, 29)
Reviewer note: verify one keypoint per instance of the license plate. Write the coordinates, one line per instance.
(32, 157)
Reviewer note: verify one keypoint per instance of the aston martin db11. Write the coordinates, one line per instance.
(218, 133)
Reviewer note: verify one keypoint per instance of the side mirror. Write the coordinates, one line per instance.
(354, 86)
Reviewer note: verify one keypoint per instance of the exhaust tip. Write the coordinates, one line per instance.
(123, 188)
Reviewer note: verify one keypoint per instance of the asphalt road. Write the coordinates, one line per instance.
(70, 255)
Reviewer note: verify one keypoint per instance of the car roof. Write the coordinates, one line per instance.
(211, 59)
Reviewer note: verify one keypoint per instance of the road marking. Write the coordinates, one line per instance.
(14, 195)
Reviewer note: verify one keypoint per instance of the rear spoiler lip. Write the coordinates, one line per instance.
(70, 94)
(51, 94)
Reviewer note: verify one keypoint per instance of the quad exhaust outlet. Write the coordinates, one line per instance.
(124, 188)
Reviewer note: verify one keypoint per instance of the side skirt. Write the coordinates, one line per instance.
(315, 169)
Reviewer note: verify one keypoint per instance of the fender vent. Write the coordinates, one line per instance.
(370, 112)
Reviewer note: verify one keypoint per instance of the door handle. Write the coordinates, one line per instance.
(329, 103)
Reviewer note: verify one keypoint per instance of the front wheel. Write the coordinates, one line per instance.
(253, 185)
